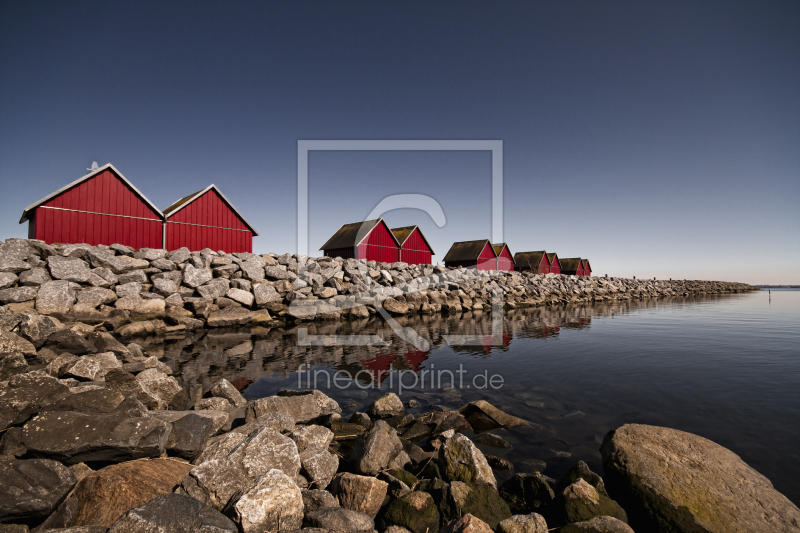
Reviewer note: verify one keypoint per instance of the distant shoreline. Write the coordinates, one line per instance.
(777, 286)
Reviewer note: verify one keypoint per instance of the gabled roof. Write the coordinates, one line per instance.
(108, 166)
(570, 263)
(586, 264)
(533, 259)
(350, 235)
(402, 234)
(553, 256)
(498, 249)
(186, 200)
(466, 250)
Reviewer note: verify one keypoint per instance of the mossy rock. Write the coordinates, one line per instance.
(405, 476)
(416, 511)
(481, 501)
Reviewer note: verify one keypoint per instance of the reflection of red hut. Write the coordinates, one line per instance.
(371, 240)
(379, 366)
(504, 259)
(488, 341)
(535, 262)
(555, 263)
(572, 266)
(414, 247)
(415, 358)
(587, 268)
(471, 254)
(102, 207)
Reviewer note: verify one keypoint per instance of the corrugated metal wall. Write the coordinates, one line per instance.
(555, 267)
(487, 259)
(415, 251)
(379, 246)
(100, 210)
(207, 222)
(505, 261)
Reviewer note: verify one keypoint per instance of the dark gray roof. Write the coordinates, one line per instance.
(186, 200)
(401, 234)
(532, 259)
(570, 263)
(466, 250)
(352, 234)
(498, 249)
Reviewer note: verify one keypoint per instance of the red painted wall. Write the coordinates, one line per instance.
(208, 222)
(415, 251)
(487, 259)
(587, 270)
(504, 260)
(555, 266)
(544, 265)
(102, 210)
(379, 246)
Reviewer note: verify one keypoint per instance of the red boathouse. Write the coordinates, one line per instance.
(535, 262)
(102, 207)
(472, 254)
(206, 219)
(371, 240)
(414, 247)
(587, 268)
(504, 259)
(555, 264)
(572, 266)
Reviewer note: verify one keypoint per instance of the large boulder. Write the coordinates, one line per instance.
(105, 259)
(69, 269)
(466, 524)
(386, 406)
(26, 395)
(38, 328)
(173, 513)
(416, 511)
(601, 524)
(93, 367)
(72, 437)
(364, 494)
(306, 436)
(195, 277)
(32, 488)
(523, 523)
(224, 389)
(16, 295)
(189, 435)
(302, 406)
(481, 501)
(338, 519)
(319, 465)
(581, 501)
(483, 416)
(272, 504)
(105, 495)
(463, 461)
(670, 480)
(526, 493)
(375, 448)
(229, 316)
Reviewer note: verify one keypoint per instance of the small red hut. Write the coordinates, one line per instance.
(504, 259)
(414, 247)
(472, 254)
(206, 219)
(555, 263)
(572, 266)
(535, 262)
(587, 268)
(371, 240)
(102, 207)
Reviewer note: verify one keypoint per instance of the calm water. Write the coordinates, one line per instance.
(725, 367)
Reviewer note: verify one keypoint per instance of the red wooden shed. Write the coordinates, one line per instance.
(535, 262)
(572, 266)
(102, 207)
(472, 254)
(504, 259)
(371, 240)
(414, 247)
(587, 268)
(555, 264)
(206, 219)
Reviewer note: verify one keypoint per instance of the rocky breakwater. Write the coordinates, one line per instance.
(79, 456)
(132, 292)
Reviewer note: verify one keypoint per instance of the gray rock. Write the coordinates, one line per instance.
(181, 255)
(230, 316)
(159, 384)
(12, 344)
(529, 523)
(274, 272)
(416, 511)
(106, 259)
(272, 504)
(121, 249)
(336, 518)
(253, 269)
(189, 434)
(490, 439)
(14, 266)
(7, 279)
(26, 395)
(240, 296)
(92, 401)
(301, 408)
(214, 403)
(463, 461)
(375, 448)
(34, 277)
(277, 421)
(601, 524)
(55, 298)
(72, 437)
(18, 294)
(395, 307)
(581, 501)
(9, 319)
(671, 478)
(38, 328)
(165, 287)
(93, 367)
(314, 499)
(32, 488)
(127, 384)
(140, 307)
(71, 341)
(318, 465)
(265, 293)
(165, 265)
(11, 443)
(173, 513)
(105, 274)
(306, 436)
(386, 406)
(214, 289)
(224, 389)
(105, 342)
(69, 269)
(134, 276)
(132, 289)
(219, 419)
(364, 494)
(96, 296)
(195, 277)
(466, 524)
(526, 493)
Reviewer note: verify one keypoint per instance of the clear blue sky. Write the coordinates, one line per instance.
(655, 138)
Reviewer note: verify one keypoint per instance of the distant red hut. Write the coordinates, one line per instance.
(371, 240)
(206, 219)
(572, 266)
(472, 254)
(102, 207)
(587, 268)
(555, 263)
(504, 259)
(414, 247)
(535, 262)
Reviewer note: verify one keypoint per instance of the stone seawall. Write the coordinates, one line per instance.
(138, 292)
